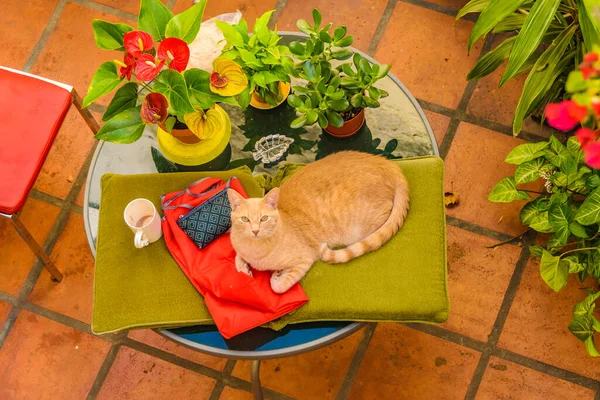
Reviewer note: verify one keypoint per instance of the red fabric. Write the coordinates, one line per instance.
(31, 111)
(236, 301)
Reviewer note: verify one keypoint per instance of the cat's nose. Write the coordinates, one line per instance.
(255, 232)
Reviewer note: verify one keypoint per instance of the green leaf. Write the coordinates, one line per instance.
(335, 119)
(153, 18)
(125, 127)
(104, 81)
(294, 101)
(590, 347)
(491, 60)
(578, 230)
(369, 102)
(495, 12)
(506, 191)
(560, 216)
(589, 26)
(186, 25)
(296, 48)
(529, 171)
(553, 272)
(299, 122)
(473, 6)
(263, 78)
(581, 327)
(169, 124)
(244, 98)
(261, 30)
(540, 79)
(322, 119)
(304, 26)
(575, 82)
(530, 36)
(309, 70)
(311, 117)
(231, 35)
(586, 306)
(541, 223)
(391, 146)
(573, 264)
(357, 100)
(125, 98)
(589, 212)
(592, 182)
(342, 54)
(345, 42)
(338, 105)
(109, 36)
(198, 89)
(526, 152)
(595, 324)
(536, 250)
(339, 32)
(316, 14)
(171, 84)
(513, 22)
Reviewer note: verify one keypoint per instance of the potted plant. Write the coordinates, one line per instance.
(551, 37)
(262, 59)
(335, 96)
(154, 87)
(569, 206)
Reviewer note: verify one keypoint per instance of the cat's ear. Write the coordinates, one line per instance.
(272, 198)
(235, 199)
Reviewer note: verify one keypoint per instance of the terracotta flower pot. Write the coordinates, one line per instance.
(350, 126)
(257, 102)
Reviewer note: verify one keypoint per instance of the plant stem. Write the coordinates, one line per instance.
(581, 249)
(508, 240)
(533, 191)
(577, 242)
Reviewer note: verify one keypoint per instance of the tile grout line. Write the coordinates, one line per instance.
(359, 354)
(47, 198)
(220, 385)
(103, 371)
(279, 6)
(444, 147)
(507, 301)
(106, 9)
(383, 22)
(39, 46)
(529, 363)
(477, 229)
(439, 8)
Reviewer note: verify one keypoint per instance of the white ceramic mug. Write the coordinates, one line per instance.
(141, 216)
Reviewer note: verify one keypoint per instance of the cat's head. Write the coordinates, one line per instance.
(254, 218)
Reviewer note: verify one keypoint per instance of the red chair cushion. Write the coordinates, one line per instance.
(31, 113)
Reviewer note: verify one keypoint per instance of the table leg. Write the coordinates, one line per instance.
(255, 375)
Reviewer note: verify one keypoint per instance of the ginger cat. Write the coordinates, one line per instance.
(349, 199)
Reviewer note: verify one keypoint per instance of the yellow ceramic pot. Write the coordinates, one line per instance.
(201, 152)
(257, 102)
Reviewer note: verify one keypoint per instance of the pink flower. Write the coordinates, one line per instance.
(592, 155)
(565, 115)
(585, 136)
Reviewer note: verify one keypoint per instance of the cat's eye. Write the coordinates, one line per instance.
(264, 218)
(245, 219)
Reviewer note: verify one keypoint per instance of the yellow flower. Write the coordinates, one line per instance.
(204, 124)
(227, 78)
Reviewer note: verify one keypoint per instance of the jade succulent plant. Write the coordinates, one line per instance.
(334, 91)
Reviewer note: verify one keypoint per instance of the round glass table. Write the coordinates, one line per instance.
(397, 129)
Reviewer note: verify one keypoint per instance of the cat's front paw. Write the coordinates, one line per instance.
(281, 281)
(242, 266)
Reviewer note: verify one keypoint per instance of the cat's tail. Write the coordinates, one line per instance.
(378, 238)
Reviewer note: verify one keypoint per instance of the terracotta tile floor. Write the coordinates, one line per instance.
(507, 335)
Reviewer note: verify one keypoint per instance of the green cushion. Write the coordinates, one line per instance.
(404, 281)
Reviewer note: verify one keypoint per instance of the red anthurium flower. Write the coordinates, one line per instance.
(154, 108)
(592, 154)
(591, 57)
(585, 136)
(596, 105)
(126, 66)
(587, 71)
(146, 67)
(175, 50)
(565, 115)
(136, 42)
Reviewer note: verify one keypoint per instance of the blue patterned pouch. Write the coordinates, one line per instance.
(208, 221)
